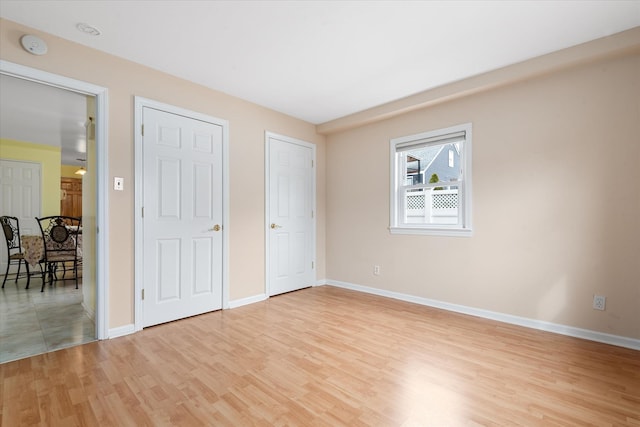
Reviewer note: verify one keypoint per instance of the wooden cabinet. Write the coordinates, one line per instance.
(71, 197)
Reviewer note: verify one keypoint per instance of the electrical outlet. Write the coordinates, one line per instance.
(376, 270)
(599, 302)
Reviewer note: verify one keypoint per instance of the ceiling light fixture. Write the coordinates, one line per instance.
(88, 29)
(81, 171)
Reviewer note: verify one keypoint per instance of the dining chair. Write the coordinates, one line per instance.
(60, 237)
(11, 229)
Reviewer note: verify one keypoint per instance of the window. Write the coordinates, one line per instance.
(431, 182)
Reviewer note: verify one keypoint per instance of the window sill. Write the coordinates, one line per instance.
(420, 231)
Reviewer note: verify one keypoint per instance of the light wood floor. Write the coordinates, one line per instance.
(327, 357)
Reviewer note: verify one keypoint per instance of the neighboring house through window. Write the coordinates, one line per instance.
(431, 182)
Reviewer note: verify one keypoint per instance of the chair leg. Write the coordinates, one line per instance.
(53, 275)
(6, 273)
(18, 273)
(26, 266)
(44, 270)
(53, 272)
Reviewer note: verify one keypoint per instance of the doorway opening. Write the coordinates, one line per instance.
(73, 113)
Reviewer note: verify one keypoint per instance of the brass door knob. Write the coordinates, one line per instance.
(274, 226)
(215, 228)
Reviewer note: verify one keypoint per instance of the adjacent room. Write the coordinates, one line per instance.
(320, 213)
(45, 132)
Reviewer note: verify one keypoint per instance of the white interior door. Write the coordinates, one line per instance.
(182, 220)
(291, 216)
(20, 196)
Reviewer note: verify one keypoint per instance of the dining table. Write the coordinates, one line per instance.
(33, 248)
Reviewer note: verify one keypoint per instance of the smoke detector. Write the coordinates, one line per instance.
(33, 44)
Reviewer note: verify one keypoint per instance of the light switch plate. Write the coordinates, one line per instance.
(118, 184)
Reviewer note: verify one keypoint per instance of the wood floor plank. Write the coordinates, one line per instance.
(327, 357)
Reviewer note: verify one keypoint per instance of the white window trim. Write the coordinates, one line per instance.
(395, 226)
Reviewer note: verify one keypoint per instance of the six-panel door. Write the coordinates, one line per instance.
(182, 186)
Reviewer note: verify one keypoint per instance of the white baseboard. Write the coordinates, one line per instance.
(320, 282)
(501, 317)
(245, 301)
(121, 331)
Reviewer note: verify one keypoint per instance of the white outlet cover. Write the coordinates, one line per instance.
(599, 302)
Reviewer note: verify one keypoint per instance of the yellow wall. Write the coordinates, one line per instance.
(49, 158)
(67, 171)
(556, 201)
(248, 123)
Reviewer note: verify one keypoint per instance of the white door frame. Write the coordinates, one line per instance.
(267, 199)
(140, 103)
(102, 175)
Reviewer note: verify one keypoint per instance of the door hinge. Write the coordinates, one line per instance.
(311, 163)
(143, 212)
(311, 214)
(312, 265)
(143, 295)
(142, 130)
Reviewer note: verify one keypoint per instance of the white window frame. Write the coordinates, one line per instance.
(398, 225)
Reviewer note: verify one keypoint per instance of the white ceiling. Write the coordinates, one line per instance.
(44, 115)
(322, 60)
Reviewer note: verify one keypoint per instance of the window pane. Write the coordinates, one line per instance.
(433, 164)
(431, 182)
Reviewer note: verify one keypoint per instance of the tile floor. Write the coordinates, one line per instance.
(34, 322)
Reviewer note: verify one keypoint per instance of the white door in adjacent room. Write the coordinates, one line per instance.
(182, 216)
(290, 214)
(20, 197)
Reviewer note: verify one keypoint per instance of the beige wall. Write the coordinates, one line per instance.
(247, 122)
(556, 202)
(49, 159)
(556, 186)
